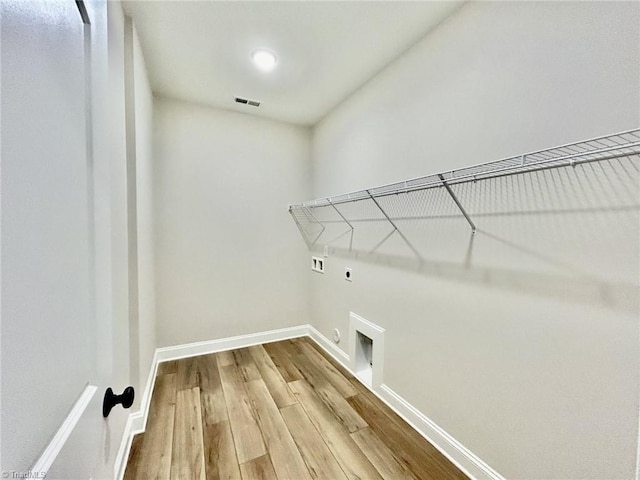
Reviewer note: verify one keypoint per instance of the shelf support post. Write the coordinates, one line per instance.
(395, 228)
(458, 204)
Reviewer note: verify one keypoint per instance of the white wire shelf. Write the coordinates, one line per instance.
(597, 149)
(307, 215)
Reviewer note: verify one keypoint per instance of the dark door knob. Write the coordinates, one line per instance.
(111, 400)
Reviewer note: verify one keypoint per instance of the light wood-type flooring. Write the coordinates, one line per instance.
(282, 410)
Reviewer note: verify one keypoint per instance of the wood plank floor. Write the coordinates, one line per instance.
(282, 411)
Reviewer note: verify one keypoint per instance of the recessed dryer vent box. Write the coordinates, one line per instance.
(366, 350)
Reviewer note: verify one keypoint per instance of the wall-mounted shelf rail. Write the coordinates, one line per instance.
(623, 145)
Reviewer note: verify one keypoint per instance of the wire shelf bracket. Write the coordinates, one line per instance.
(458, 204)
(345, 221)
(306, 221)
(395, 228)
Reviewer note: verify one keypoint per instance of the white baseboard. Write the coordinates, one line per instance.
(212, 346)
(57, 442)
(459, 455)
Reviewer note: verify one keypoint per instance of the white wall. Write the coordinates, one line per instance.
(228, 258)
(529, 354)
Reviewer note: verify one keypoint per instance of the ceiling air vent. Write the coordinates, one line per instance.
(253, 103)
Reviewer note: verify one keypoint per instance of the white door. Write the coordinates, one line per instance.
(54, 349)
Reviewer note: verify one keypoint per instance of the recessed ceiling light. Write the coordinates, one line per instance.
(264, 60)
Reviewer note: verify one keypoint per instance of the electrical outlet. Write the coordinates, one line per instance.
(348, 274)
(317, 264)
